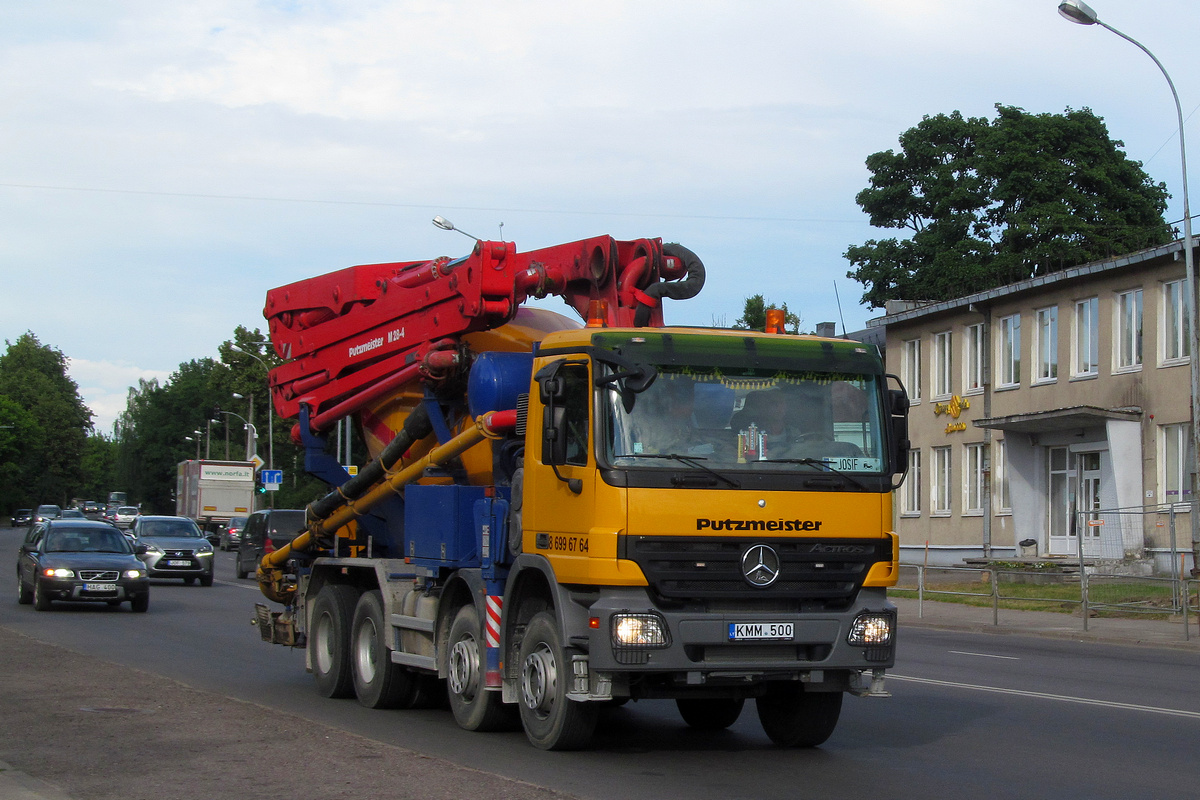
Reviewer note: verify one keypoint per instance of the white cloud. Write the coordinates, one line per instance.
(104, 387)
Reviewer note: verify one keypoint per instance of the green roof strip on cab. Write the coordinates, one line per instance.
(659, 346)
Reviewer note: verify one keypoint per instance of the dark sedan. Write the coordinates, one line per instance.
(22, 517)
(80, 561)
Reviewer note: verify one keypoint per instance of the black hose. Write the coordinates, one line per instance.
(684, 289)
(416, 427)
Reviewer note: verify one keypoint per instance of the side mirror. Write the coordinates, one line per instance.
(550, 391)
(140, 549)
(898, 406)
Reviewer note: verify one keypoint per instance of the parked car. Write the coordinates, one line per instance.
(80, 561)
(264, 531)
(124, 516)
(175, 548)
(22, 516)
(46, 512)
(231, 533)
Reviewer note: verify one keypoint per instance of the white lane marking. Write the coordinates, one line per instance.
(983, 655)
(1062, 698)
(240, 585)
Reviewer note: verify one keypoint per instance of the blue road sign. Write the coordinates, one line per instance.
(271, 476)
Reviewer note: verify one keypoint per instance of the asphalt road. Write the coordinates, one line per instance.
(970, 713)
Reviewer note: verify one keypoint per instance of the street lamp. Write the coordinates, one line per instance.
(197, 441)
(1081, 13)
(270, 416)
(251, 433)
(237, 396)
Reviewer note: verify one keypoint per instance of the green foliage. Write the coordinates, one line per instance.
(990, 203)
(754, 315)
(41, 454)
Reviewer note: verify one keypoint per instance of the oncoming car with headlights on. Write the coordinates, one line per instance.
(175, 548)
(80, 561)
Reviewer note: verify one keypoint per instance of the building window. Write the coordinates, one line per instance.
(911, 371)
(940, 494)
(941, 365)
(1010, 351)
(1128, 339)
(1175, 484)
(973, 467)
(1000, 478)
(1086, 357)
(910, 500)
(1176, 333)
(973, 350)
(1045, 345)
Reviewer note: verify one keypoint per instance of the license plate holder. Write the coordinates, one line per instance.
(178, 563)
(761, 631)
(110, 588)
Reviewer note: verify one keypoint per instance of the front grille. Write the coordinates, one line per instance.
(691, 567)
(98, 574)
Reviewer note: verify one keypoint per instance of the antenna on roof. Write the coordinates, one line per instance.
(839, 302)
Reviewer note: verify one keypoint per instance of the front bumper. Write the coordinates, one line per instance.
(173, 564)
(79, 591)
(699, 649)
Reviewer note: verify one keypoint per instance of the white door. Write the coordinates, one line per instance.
(1060, 500)
(1091, 524)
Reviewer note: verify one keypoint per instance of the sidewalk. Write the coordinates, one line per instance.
(1135, 631)
(157, 739)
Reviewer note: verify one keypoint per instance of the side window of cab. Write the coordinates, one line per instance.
(576, 397)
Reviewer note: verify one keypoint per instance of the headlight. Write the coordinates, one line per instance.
(639, 630)
(135, 573)
(870, 629)
(153, 548)
(58, 573)
(203, 553)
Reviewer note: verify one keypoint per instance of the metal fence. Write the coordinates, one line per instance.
(1181, 599)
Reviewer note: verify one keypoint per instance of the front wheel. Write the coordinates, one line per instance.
(329, 640)
(378, 683)
(41, 600)
(140, 604)
(550, 719)
(24, 593)
(710, 714)
(206, 580)
(793, 717)
(475, 708)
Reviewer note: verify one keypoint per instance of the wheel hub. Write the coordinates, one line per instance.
(463, 677)
(539, 680)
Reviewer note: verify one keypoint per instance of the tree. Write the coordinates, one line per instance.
(754, 315)
(50, 421)
(990, 203)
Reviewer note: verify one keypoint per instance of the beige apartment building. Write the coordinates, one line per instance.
(1040, 406)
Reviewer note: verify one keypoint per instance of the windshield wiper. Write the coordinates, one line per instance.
(691, 461)
(816, 462)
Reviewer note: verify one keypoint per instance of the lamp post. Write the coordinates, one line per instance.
(237, 396)
(1082, 14)
(251, 433)
(270, 420)
(197, 441)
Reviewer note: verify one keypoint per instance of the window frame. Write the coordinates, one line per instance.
(1174, 324)
(940, 497)
(1180, 434)
(911, 369)
(1126, 338)
(1089, 348)
(910, 496)
(974, 468)
(1045, 345)
(1008, 354)
(974, 350)
(942, 377)
(1002, 493)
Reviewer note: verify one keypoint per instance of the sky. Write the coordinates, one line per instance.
(163, 164)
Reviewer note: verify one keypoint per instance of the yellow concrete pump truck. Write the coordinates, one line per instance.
(560, 516)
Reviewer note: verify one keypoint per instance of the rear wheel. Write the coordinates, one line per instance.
(41, 600)
(710, 714)
(475, 708)
(241, 573)
(378, 683)
(329, 640)
(793, 717)
(551, 721)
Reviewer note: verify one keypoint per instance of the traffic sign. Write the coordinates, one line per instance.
(271, 477)
(258, 462)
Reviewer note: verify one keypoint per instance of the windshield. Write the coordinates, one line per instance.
(86, 541)
(749, 419)
(178, 528)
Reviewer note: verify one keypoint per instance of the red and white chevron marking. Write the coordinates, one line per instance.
(495, 605)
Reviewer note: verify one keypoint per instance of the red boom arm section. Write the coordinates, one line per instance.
(355, 335)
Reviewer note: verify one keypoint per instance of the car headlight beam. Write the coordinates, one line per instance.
(639, 630)
(59, 572)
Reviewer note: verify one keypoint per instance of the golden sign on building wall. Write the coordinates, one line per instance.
(954, 408)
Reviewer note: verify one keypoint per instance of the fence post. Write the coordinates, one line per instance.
(1083, 584)
(995, 598)
(920, 592)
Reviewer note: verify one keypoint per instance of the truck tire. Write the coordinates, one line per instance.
(378, 683)
(551, 721)
(329, 640)
(710, 713)
(475, 708)
(793, 717)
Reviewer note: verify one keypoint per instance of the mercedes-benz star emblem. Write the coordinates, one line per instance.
(760, 565)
